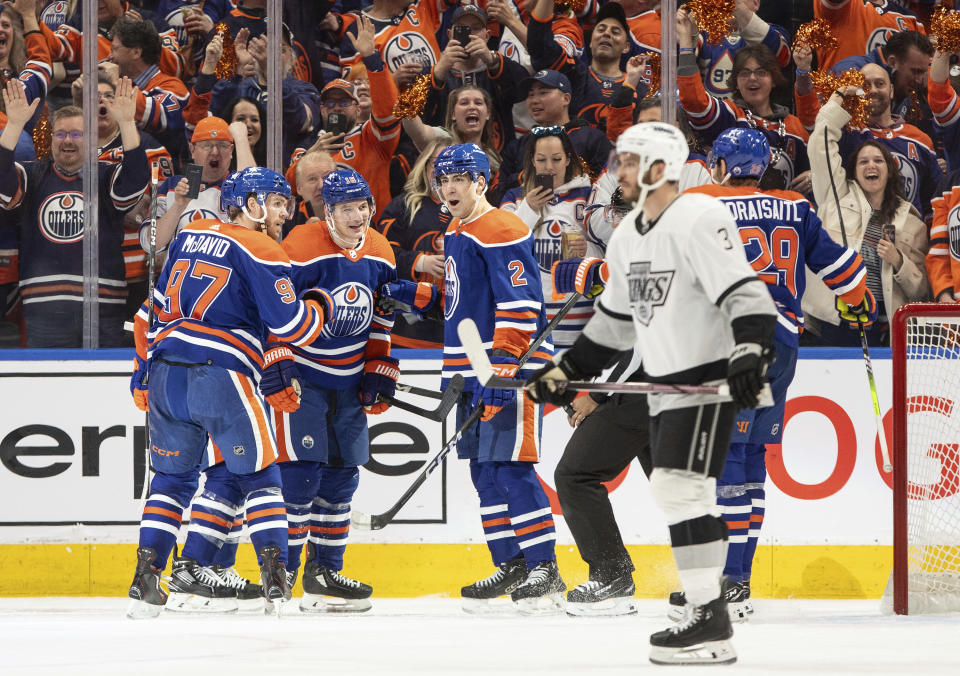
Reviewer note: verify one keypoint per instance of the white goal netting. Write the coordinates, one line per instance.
(932, 369)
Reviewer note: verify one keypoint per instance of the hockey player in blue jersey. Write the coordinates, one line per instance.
(224, 289)
(491, 277)
(782, 236)
(346, 373)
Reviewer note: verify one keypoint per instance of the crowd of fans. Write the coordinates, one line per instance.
(544, 88)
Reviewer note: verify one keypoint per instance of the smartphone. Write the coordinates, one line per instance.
(192, 173)
(337, 123)
(544, 181)
(890, 231)
(461, 34)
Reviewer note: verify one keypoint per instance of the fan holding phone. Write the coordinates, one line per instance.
(551, 201)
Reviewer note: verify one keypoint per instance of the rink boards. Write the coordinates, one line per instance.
(71, 448)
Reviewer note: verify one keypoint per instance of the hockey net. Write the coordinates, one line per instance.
(926, 458)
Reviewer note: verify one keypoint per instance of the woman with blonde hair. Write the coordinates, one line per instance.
(414, 223)
(551, 200)
(861, 197)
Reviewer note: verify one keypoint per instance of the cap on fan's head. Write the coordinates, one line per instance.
(548, 78)
(211, 129)
(469, 11)
(340, 85)
(614, 10)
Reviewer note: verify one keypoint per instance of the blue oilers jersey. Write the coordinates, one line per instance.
(223, 290)
(336, 358)
(716, 61)
(491, 277)
(781, 236)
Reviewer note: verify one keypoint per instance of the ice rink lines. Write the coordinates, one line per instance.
(68, 636)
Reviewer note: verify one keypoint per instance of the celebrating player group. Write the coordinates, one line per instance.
(258, 362)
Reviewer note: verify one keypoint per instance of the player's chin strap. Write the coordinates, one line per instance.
(335, 236)
(647, 188)
(881, 433)
(261, 201)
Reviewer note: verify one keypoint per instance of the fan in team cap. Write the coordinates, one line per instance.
(677, 258)
(348, 206)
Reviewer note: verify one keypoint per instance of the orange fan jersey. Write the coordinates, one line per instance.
(860, 27)
(943, 259)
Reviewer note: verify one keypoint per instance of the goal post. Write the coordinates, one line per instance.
(926, 458)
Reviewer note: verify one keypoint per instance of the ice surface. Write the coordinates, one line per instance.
(433, 636)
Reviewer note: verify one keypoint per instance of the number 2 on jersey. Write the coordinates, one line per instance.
(217, 275)
(776, 264)
(516, 267)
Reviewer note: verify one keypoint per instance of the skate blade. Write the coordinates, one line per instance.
(317, 604)
(606, 608)
(141, 610)
(273, 606)
(254, 605)
(549, 604)
(191, 603)
(709, 652)
(498, 607)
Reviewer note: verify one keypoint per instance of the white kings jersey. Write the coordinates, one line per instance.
(673, 292)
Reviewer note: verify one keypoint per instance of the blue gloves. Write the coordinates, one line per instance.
(138, 383)
(586, 276)
(279, 383)
(379, 383)
(505, 366)
(420, 298)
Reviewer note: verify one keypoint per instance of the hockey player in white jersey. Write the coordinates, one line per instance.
(682, 294)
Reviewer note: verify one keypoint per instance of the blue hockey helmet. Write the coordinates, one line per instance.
(745, 151)
(466, 158)
(238, 186)
(345, 185)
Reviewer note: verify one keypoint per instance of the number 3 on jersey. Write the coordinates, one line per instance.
(216, 278)
(516, 267)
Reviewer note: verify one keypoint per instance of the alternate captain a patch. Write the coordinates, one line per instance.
(648, 289)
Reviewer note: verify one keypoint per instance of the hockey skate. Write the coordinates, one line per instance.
(542, 593)
(478, 597)
(249, 595)
(702, 638)
(594, 598)
(273, 580)
(737, 595)
(145, 590)
(197, 589)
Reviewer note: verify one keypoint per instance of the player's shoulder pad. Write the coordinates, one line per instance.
(789, 195)
(498, 228)
(720, 191)
(377, 246)
(258, 245)
(308, 241)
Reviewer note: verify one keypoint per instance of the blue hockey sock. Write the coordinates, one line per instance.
(530, 515)
(266, 515)
(330, 516)
(494, 514)
(734, 503)
(163, 512)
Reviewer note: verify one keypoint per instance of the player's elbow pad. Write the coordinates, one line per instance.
(757, 329)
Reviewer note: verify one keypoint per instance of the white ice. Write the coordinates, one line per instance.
(433, 636)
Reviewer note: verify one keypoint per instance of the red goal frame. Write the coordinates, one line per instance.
(898, 330)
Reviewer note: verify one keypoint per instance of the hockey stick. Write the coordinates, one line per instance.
(473, 346)
(447, 400)
(377, 521)
(881, 434)
(419, 391)
(151, 287)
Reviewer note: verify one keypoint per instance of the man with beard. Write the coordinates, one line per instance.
(912, 148)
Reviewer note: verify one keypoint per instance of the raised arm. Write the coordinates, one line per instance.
(826, 158)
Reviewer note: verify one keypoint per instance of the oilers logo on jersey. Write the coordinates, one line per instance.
(61, 217)
(648, 289)
(908, 173)
(451, 287)
(354, 310)
(547, 244)
(953, 224)
(201, 214)
(408, 47)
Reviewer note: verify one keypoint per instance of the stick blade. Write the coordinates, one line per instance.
(473, 347)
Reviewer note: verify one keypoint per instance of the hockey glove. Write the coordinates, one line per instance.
(279, 383)
(324, 302)
(419, 298)
(542, 386)
(865, 311)
(586, 276)
(138, 383)
(379, 383)
(745, 373)
(504, 365)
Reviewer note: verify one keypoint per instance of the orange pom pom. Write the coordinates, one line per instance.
(945, 25)
(575, 6)
(715, 17)
(652, 74)
(826, 83)
(43, 135)
(411, 101)
(816, 35)
(226, 67)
